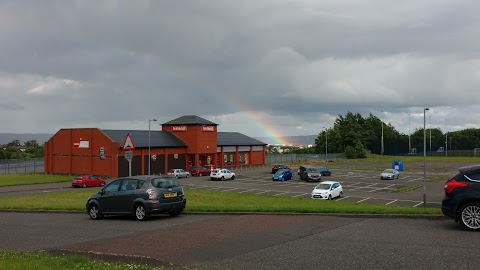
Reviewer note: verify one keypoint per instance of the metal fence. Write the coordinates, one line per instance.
(17, 166)
(285, 158)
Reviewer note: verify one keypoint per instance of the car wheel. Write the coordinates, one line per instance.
(329, 197)
(84, 185)
(223, 178)
(341, 194)
(470, 216)
(233, 177)
(140, 212)
(94, 212)
(174, 213)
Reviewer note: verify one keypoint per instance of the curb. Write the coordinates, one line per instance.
(409, 216)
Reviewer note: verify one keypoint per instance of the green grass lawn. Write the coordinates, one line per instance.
(30, 179)
(42, 261)
(216, 201)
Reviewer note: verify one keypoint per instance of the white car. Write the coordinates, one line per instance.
(178, 173)
(221, 174)
(389, 174)
(327, 190)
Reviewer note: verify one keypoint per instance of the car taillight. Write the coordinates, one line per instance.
(453, 184)
(151, 193)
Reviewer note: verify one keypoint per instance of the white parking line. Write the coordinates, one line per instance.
(339, 199)
(281, 193)
(229, 189)
(247, 190)
(363, 200)
(263, 192)
(418, 204)
(391, 202)
(302, 194)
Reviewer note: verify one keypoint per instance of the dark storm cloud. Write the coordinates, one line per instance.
(115, 64)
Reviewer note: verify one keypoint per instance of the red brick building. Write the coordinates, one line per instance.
(186, 141)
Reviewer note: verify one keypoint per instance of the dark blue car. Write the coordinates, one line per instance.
(282, 175)
(325, 171)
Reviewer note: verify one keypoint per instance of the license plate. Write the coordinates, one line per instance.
(170, 195)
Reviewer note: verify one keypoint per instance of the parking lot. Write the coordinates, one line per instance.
(358, 186)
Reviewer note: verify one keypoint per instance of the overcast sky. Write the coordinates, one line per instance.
(256, 67)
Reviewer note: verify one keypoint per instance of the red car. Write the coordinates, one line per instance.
(200, 171)
(88, 181)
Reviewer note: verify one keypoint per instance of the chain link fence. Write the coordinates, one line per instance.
(285, 158)
(17, 166)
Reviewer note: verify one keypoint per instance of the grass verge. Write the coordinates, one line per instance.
(30, 179)
(215, 201)
(42, 261)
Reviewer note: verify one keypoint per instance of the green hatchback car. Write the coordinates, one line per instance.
(138, 196)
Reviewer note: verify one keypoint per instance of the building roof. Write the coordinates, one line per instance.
(236, 139)
(168, 139)
(190, 120)
(140, 138)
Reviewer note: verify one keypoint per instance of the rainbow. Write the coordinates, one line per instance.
(250, 115)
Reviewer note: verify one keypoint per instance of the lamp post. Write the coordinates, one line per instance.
(381, 151)
(149, 156)
(424, 158)
(409, 143)
(326, 146)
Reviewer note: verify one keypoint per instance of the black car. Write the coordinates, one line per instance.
(139, 196)
(277, 167)
(309, 173)
(462, 197)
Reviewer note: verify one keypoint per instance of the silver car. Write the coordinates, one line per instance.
(389, 174)
(178, 173)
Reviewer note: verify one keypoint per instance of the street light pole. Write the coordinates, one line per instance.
(326, 146)
(149, 156)
(424, 159)
(409, 143)
(382, 138)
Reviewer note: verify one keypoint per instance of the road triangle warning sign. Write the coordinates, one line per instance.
(128, 144)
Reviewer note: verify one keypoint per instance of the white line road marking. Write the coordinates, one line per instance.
(418, 204)
(391, 202)
(281, 193)
(303, 194)
(247, 190)
(263, 192)
(343, 198)
(363, 200)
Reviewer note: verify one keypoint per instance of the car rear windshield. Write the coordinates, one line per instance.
(165, 182)
(215, 171)
(323, 186)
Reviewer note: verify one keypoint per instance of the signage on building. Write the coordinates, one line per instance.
(102, 153)
(81, 144)
(128, 144)
(208, 128)
(175, 156)
(179, 128)
(154, 157)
